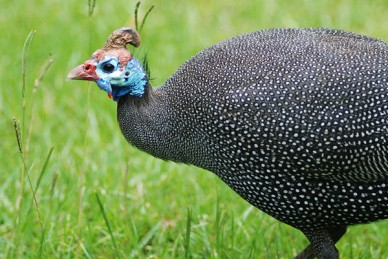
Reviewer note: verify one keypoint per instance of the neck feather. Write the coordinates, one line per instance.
(151, 124)
(144, 122)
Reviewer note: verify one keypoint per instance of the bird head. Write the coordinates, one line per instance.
(113, 67)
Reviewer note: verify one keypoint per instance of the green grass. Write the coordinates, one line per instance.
(74, 152)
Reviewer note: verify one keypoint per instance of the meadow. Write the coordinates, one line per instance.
(70, 185)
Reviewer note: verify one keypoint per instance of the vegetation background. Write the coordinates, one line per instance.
(87, 193)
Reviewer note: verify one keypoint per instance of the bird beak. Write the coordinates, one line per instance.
(84, 71)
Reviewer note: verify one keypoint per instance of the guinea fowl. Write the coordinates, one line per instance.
(293, 120)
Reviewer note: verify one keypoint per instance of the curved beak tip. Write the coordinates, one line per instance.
(76, 73)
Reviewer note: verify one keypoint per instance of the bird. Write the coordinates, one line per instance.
(294, 120)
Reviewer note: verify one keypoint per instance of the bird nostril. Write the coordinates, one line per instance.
(87, 67)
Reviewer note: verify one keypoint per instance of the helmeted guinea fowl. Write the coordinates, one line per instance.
(294, 120)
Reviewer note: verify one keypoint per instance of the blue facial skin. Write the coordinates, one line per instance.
(132, 79)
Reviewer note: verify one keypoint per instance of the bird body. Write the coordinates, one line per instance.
(294, 120)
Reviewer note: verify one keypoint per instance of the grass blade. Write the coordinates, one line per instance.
(24, 174)
(43, 169)
(107, 225)
(188, 233)
(145, 17)
(19, 140)
(252, 250)
(25, 55)
(134, 229)
(146, 239)
(46, 66)
(19, 198)
(137, 27)
(136, 17)
(91, 6)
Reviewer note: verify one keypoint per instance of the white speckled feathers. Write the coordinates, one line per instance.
(294, 120)
(312, 103)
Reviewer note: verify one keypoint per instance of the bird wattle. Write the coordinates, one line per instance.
(104, 85)
(118, 91)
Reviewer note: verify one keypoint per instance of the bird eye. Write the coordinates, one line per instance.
(108, 68)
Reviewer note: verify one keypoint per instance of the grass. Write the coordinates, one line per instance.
(74, 188)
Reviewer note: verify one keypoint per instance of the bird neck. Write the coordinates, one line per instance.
(144, 121)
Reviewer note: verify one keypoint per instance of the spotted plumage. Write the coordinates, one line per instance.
(294, 120)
